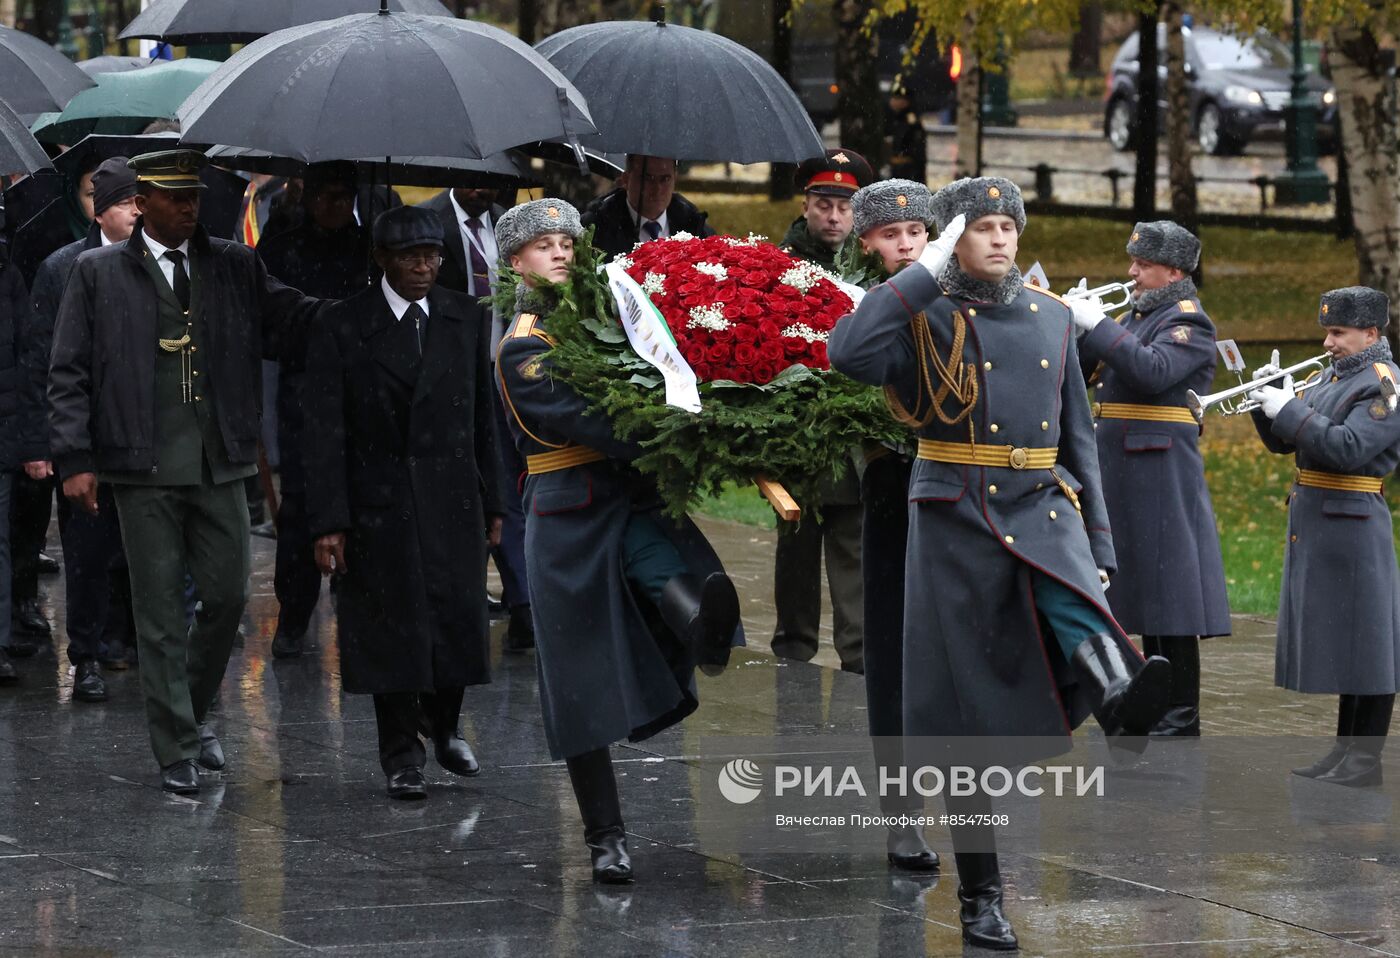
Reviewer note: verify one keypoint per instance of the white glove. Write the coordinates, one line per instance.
(1103, 577)
(1272, 399)
(1271, 368)
(1088, 313)
(936, 254)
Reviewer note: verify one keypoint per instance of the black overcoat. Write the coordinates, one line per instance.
(398, 456)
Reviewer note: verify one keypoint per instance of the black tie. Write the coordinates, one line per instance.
(181, 283)
(415, 315)
(653, 229)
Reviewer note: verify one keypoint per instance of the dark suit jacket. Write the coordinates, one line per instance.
(456, 268)
(617, 231)
(400, 453)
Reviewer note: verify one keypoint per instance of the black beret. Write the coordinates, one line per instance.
(839, 173)
(1360, 307)
(406, 226)
(112, 182)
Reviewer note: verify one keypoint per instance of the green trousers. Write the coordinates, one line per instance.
(169, 531)
(1072, 618)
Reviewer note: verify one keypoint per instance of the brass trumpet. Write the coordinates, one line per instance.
(1234, 401)
(1123, 293)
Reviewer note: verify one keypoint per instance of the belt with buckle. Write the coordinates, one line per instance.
(997, 457)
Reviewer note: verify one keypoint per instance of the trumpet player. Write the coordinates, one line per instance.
(1339, 612)
(1170, 586)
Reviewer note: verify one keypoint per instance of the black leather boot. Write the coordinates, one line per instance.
(520, 633)
(979, 893)
(1127, 703)
(703, 614)
(1346, 715)
(1183, 718)
(1360, 767)
(595, 789)
(906, 849)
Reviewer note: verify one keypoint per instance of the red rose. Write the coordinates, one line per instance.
(770, 351)
(693, 353)
(718, 353)
(769, 331)
(765, 372)
(794, 347)
(819, 360)
(745, 354)
(745, 334)
(702, 371)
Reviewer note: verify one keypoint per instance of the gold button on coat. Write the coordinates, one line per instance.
(1044, 426)
(994, 427)
(972, 312)
(1045, 364)
(987, 365)
(1053, 514)
(992, 489)
(1010, 540)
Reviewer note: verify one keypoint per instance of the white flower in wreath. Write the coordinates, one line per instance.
(624, 262)
(715, 271)
(708, 317)
(654, 284)
(803, 331)
(682, 235)
(804, 275)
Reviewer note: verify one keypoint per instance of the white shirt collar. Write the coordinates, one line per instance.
(463, 215)
(661, 220)
(397, 304)
(157, 250)
(103, 237)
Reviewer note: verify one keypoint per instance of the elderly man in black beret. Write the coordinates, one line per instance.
(1339, 612)
(1170, 584)
(403, 494)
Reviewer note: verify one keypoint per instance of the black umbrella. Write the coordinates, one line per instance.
(499, 171)
(385, 85)
(183, 22)
(666, 90)
(34, 77)
(19, 151)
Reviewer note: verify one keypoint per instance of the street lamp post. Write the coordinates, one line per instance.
(1303, 182)
(96, 30)
(66, 46)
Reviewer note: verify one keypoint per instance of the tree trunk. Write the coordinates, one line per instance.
(1366, 103)
(780, 174)
(1145, 177)
(1085, 57)
(859, 113)
(968, 158)
(1179, 172)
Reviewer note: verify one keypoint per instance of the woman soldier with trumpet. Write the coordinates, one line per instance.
(1339, 612)
(1170, 585)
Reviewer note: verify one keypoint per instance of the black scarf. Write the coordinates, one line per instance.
(1151, 299)
(960, 285)
(1377, 352)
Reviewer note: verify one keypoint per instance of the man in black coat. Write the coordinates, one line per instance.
(400, 444)
(645, 206)
(324, 257)
(97, 592)
(154, 387)
(469, 255)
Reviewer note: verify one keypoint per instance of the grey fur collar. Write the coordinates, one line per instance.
(959, 285)
(1378, 352)
(1152, 299)
(540, 302)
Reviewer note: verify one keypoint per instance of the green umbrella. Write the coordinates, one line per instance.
(123, 103)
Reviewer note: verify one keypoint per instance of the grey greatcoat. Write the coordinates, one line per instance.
(976, 659)
(1170, 579)
(607, 670)
(1339, 611)
(400, 456)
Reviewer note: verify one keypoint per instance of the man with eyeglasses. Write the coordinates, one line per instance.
(645, 206)
(400, 450)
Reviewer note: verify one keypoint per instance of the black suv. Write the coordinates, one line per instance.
(1239, 87)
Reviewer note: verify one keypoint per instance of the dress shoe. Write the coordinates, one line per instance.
(454, 754)
(22, 646)
(984, 925)
(906, 849)
(520, 633)
(611, 863)
(87, 683)
(1127, 704)
(48, 565)
(8, 675)
(495, 608)
(407, 784)
(211, 753)
(29, 619)
(285, 645)
(1327, 762)
(182, 778)
(264, 530)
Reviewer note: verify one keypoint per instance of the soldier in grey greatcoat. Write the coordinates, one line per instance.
(986, 370)
(1170, 583)
(626, 602)
(1339, 611)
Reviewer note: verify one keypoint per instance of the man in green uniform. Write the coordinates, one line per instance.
(153, 387)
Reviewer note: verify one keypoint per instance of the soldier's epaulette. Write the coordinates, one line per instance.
(1187, 306)
(1383, 373)
(527, 325)
(1045, 292)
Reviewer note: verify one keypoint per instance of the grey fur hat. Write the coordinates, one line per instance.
(1360, 307)
(528, 221)
(1163, 241)
(977, 197)
(891, 201)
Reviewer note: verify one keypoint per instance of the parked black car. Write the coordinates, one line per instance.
(1239, 87)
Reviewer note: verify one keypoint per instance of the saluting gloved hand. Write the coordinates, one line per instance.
(936, 254)
(1272, 399)
(1269, 369)
(1088, 313)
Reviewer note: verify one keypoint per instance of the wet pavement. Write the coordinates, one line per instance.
(294, 848)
